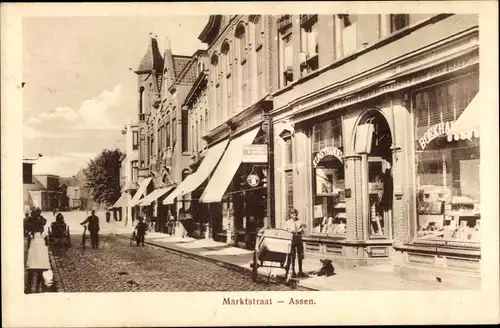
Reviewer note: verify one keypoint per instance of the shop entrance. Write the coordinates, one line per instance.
(373, 142)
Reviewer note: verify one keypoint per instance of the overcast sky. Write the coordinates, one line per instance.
(79, 92)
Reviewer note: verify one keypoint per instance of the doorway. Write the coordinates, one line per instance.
(375, 148)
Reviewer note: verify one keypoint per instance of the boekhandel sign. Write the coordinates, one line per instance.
(255, 153)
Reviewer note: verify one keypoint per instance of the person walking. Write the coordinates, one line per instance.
(38, 254)
(140, 229)
(93, 226)
(295, 226)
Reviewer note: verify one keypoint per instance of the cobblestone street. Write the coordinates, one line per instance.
(118, 267)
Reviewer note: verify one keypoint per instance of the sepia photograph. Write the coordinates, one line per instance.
(300, 153)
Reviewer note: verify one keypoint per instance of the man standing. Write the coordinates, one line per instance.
(296, 227)
(141, 228)
(93, 226)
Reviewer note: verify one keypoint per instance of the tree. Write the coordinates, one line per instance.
(103, 177)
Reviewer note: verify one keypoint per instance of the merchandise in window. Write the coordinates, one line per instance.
(329, 215)
(447, 179)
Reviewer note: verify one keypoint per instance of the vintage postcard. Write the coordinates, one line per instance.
(204, 164)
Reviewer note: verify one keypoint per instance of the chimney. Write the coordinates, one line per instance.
(168, 46)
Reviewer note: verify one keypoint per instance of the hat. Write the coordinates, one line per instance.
(293, 211)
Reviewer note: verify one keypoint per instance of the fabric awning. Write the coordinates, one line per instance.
(120, 202)
(142, 189)
(206, 167)
(227, 167)
(467, 125)
(157, 193)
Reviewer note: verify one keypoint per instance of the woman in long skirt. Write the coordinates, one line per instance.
(38, 261)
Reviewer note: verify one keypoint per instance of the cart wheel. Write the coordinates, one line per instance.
(254, 267)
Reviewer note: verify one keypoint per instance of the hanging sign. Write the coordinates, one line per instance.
(255, 153)
(253, 180)
(433, 132)
(328, 151)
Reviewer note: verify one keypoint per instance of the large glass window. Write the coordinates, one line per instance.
(447, 179)
(329, 215)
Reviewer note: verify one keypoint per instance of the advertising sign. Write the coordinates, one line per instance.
(255, 154)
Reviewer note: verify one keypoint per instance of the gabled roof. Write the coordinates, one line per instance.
(69, 181)
(152, 59)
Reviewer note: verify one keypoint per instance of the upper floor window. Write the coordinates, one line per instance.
(167, 139)
(135, 140)
(399, 21)
(245, 76)
(228, 57)
(309, 41)
(258, 22)
(286, 59)
(184, 130)
(349, 34)
(174, 131)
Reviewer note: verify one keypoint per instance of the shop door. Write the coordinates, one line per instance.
(377, 166)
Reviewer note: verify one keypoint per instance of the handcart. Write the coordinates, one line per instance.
(273, 249)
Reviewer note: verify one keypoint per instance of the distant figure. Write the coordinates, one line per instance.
(25, 223)
(140, 229)
(108, 217)
(93, 227)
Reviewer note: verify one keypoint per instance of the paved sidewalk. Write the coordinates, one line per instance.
(377, 277)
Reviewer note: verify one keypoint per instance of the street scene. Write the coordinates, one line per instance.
(318, 152)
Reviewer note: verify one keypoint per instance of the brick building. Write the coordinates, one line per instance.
(375, 142)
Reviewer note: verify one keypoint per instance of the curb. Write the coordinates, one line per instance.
(58, 285)
(225, 264)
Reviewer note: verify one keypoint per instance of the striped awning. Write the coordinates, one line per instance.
(467, 125)
(142, 189)
(157, 193)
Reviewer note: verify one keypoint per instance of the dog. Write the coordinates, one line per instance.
(327, 268)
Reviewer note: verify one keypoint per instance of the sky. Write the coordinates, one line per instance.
(79, 92)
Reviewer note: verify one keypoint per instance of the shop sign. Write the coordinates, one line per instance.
(253, 180)
(255, 153)
(328, 151)
(433, 132)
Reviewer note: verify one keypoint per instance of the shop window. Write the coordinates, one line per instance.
(447, 172)
(329, 215)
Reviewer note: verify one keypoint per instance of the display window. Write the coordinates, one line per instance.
(329, 216)
(447, 172)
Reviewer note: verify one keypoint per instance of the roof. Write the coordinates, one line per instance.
(36, 185)
(180, 63)
(69, 181)
(152, 59)
(189, 74)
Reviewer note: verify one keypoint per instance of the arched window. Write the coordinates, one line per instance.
(141, 100)
(217, 95)
(244, 71)
(228, 81)
(258, 28)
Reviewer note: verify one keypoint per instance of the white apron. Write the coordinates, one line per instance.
(38, 253)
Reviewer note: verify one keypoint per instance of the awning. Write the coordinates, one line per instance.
(121, 201)
(227, 167)
(157, 193)
(467, 125)
(142, 189)
(206, 167)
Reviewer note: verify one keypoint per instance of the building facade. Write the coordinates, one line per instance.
(72, 198)
(44, 192)
(374, 141)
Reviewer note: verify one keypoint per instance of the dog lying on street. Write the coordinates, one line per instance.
(327, 269)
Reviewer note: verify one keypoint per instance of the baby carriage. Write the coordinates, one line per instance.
(59, 234)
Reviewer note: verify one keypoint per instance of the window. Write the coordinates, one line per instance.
(167, 139)
(289, 190)
(259, 22)
(218, 92)
(135, 140)
(399, 22)
(329, 215)
(141, 100)
(261, 83)
(184, 131)
(229, 92)
(286, 59)
(288, 151)
(76, 194)
(201, 131)
(447, 172)
(349, 34)
(134, 169)
(196, 129)
(142, 150)
(207, 122)
(309, 42)
(245, 76)
(174, 131)
(226, 50)
(27, 173)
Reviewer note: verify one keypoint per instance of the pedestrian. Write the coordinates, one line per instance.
(108, 217)
(296, 227)
(140, 229)
(25, 223)
(38, 254)
(93, 227)
(152, 224)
